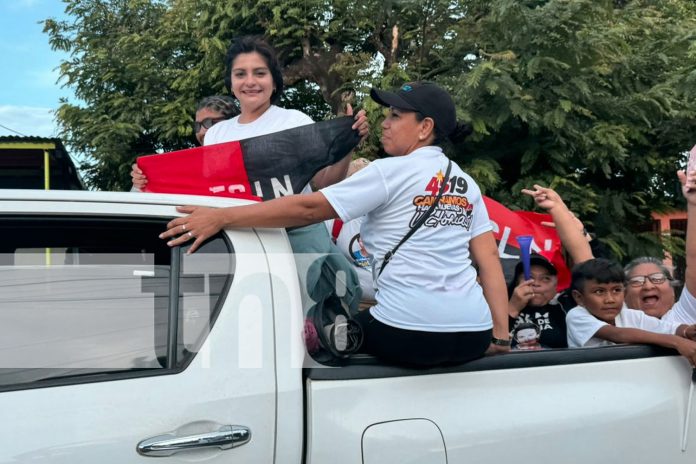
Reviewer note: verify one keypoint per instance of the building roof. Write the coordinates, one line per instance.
(28, 139)
(37, 163)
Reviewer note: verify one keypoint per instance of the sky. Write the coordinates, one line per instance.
(29, 91)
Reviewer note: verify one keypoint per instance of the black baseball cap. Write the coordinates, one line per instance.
(427, 98)
(534, 260)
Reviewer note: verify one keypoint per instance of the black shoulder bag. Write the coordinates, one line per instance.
(420, 222)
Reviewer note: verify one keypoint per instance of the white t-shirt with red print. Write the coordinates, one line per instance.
(430, 284)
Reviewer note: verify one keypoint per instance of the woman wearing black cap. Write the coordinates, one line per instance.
(430, 310)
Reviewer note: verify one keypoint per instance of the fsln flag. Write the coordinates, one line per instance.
(264, 167)
(508, 225)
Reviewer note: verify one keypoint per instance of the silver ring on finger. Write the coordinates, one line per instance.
(190, 234)
(183, 227)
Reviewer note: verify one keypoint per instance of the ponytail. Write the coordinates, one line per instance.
(461, 131)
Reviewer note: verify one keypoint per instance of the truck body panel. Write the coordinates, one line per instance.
(228, 351)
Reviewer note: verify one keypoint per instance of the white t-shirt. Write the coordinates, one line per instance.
(683, 311)
(429, 284)
(582, 326)
(274, 119)
(349, 242)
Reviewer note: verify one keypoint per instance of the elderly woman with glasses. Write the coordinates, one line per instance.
(650, 285)
(210, 111)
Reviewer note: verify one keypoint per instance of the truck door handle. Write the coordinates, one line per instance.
(228, 436)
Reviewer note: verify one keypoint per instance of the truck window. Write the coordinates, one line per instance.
(87, 299)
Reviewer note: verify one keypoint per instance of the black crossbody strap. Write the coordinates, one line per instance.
(420, 221)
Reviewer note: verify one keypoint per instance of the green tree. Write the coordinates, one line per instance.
(595, 98)
(122, 99)
(138, 66)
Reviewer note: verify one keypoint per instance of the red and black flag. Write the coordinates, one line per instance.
(265, 167)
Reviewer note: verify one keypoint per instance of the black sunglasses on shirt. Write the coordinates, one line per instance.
(206, 123)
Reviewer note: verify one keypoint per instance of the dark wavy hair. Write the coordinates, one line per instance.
(251, 44)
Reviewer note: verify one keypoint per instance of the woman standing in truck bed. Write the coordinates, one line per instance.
(430, 309)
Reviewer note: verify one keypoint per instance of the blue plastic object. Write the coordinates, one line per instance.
(525, 242)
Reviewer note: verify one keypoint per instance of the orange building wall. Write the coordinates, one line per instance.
(664, 220)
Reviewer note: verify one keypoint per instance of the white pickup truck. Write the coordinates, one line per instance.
(115, 348)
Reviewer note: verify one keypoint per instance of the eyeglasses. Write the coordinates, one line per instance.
(638, 281)
(206, 123)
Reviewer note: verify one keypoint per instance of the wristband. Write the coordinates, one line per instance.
(500, 341)
(684, 333)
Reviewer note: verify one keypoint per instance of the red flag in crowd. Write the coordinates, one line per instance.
(508, 224)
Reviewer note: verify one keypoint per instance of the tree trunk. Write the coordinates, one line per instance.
(315, 66)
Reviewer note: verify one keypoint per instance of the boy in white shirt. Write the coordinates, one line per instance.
(602, 319)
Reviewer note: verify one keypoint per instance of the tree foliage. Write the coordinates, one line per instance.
(592, 99)
(595, 98)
